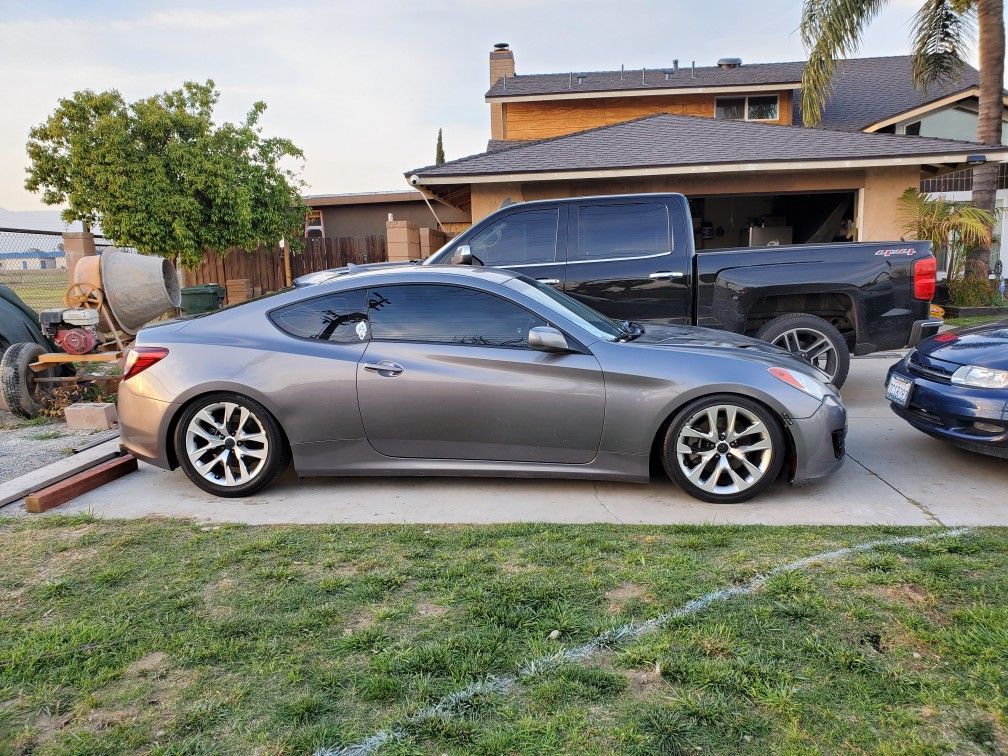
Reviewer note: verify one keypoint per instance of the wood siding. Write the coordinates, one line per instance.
(550, 118)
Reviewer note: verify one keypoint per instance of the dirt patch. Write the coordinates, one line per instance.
(643, 682)
(426, 609)
(146, 664)
(904, 593)
(622, 594)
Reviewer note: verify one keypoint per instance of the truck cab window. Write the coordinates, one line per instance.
(635, 229)
(522, 238)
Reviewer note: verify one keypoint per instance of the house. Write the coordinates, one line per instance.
(729, 136)
(33, 259)
(365, 213)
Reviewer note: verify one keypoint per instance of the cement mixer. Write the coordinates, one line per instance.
(110, 298)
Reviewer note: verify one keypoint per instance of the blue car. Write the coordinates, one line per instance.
(954, 386)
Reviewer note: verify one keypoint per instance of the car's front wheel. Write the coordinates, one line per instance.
(230, 445)
(724, 449)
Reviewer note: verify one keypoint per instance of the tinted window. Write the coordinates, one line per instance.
(626, 230)
(521, 238)
(448, 315)
(340, 318)
(763, 108)
(730, 108)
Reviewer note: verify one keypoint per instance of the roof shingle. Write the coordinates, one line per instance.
(665, 140)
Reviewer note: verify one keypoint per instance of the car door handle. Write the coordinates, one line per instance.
(665, 275)
(548, 281)
(385, 367)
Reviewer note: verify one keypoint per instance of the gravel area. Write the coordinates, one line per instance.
(29, 444)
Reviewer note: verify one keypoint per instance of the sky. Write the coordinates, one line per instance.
(362, 87)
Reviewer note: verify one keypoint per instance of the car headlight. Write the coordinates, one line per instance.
(800, 381)
(980, 377)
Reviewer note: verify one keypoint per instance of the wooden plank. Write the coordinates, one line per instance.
(21, 486)
(45, 361)
(81, 483)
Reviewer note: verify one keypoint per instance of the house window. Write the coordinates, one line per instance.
(751, 108)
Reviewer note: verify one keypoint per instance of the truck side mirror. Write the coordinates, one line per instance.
(462, 255)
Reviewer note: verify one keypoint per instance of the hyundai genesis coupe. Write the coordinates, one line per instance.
(459, 370)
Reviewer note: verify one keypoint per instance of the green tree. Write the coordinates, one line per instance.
(943, 31)
(439, 150)
(949, 225)
(159, 175)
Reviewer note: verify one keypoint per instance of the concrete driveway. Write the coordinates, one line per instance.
(894, 475)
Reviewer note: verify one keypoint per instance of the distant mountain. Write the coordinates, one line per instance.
(34, 220)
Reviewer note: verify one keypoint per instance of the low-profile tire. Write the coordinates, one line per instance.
(724, 449)
(17, 379)
(230, 445)
(813, 339)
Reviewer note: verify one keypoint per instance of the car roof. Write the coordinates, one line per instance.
(420, 273)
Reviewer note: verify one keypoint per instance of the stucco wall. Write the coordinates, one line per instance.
(365, 220)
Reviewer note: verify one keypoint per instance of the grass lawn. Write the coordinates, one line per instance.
(169, 637)
(963, 322)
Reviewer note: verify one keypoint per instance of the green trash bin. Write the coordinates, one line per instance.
(202, 298)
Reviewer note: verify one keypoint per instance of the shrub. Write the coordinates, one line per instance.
(972, 292)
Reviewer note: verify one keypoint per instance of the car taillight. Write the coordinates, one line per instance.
(924, 273)
(140, 358)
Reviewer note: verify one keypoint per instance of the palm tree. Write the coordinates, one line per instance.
(942, 32)
(948, 225)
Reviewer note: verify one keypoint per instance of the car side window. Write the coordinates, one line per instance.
(444, 314)
(340, 318)
(626, 229)
(528, 237)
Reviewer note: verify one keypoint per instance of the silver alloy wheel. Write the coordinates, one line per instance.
(724, 449)
(226, 444)
(812, 346)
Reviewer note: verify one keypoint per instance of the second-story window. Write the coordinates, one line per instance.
(751, 108)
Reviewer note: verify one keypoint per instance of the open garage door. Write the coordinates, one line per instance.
(759, 220)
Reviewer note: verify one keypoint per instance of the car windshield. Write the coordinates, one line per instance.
(589, 319)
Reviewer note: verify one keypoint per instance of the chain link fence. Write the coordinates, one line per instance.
(33, 264)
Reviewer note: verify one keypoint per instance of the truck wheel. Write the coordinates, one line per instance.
(815, 340)
(724, 449)
(17, 379)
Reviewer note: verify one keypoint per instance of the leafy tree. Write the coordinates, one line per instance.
(942, 32)
(439, 150)
(159, 175)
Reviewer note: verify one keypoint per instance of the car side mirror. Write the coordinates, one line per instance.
(546, 339)
(462, 255)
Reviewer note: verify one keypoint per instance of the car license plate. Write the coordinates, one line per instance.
(898, 390)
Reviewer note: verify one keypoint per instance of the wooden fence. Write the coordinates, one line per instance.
(264, 267)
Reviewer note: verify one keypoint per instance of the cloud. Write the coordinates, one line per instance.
(361, 87)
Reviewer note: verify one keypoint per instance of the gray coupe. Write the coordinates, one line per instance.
(458, 370)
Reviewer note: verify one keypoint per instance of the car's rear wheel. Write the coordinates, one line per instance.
(724, 449)
(230, 445)
(815, 340)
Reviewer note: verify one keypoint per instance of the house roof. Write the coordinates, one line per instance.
(754, 74)
(362, 198)
(666, 143)
(866, 90)
(869, 90)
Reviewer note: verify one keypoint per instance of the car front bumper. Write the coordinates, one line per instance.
(819, 442)
(951, 412)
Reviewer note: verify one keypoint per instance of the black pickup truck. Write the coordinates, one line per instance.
(632, 258)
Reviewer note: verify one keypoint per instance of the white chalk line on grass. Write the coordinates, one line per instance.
(616, 636)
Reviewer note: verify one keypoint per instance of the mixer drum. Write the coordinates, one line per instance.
(137, 288)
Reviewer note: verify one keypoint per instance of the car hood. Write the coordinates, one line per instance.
(983, 345)
(710, 340)
(322, 276)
